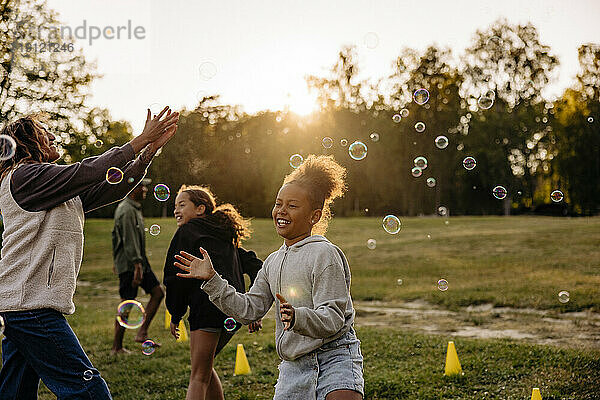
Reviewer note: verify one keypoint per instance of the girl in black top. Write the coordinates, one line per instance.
(219, 230)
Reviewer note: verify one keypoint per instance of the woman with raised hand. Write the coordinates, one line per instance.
(43, 207)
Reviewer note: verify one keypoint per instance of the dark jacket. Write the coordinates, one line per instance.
(228, 260)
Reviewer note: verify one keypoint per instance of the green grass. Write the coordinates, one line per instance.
(515, 261)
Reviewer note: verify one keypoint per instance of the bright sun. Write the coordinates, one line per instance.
(303, 103)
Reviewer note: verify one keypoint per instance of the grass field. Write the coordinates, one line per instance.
(506, 263)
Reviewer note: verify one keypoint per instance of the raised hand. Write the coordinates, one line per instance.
(287, 312)
(156, 128)
(255, 326)
(197, 268)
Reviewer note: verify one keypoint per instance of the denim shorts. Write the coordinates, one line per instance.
(334, 366)
(41, 344)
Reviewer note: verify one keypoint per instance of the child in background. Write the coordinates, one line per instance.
(220, 229)
(314, 332)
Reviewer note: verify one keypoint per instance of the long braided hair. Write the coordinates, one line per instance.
(224, 215)
(31, 139)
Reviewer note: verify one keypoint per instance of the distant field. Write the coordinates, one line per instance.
(520, 262)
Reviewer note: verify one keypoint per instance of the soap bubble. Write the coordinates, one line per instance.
(88, 374)
(499, 192)
(130, 180)
(130, 314)
(442, 284)
(428, 236)
(371, 40)
(114, 175)
(148, 347)
(420, 127)
(441, 142)
(399, 282)
(391, 224)
(397, 118)
(343, 142)
(446, 222)
(442, 211)
(469, 163)
(420, 162)
(371, 244)
(98, 143)
(207, 70)
(557, 196)
(590, 119)
(327, 142)
(161, 192)
(563, 296)
(421, 96)
(296, 160)
(485, 102)
(230, 324)
(431, 182)
(357, 150)
(404, 113)
(416, 172)
(374, 136)
(154, 229)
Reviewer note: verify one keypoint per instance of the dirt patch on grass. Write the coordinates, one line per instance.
(574, 330)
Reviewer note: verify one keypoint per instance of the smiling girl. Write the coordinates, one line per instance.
(220, 229)
(314, 332)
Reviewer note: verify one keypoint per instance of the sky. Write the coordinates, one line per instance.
(257, 53)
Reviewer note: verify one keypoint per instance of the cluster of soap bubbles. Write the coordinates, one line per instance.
(130, 314)
(229, 324)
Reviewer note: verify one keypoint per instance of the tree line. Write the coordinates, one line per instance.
(488, 104)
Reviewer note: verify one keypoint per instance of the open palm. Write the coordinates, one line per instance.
(197, 268)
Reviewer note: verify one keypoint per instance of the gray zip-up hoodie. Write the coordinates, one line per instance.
(313, 276)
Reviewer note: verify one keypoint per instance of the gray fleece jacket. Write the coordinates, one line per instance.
(313, 276)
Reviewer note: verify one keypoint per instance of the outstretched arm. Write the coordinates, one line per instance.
(244, 307)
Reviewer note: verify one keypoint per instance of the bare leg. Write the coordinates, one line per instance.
(118, 340)
(202, 349)
(344, 395)
(215, 390)
(156, 296)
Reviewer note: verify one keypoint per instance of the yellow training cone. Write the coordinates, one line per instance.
(535, 394)
(452, 363)
(167, 319)
(183, 337)
(241, 362)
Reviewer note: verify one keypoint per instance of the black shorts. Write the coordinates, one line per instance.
(127, 292)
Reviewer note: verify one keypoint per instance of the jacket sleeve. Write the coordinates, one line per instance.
(330, 298)
(244, 307)
(130, 237)
(104, 193)
(42, 186)
(251, 264)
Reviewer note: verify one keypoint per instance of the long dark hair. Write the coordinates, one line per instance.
(224, 215)
(30, 138)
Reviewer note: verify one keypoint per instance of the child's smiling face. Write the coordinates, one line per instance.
(293, 214)
(185, 209)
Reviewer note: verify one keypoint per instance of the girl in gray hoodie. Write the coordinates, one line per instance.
(314, 332)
